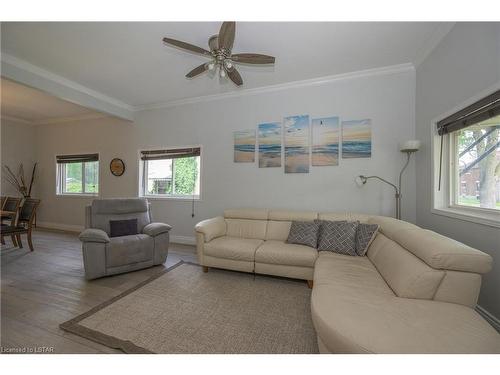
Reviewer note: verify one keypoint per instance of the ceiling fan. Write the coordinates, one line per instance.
(221, 55)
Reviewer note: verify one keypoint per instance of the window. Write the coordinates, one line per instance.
(476, 150)
(78, 174)
(467, 160)
(173, 173)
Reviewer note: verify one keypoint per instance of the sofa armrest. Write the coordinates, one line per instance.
(94, 235)
(211, 228)
(154, 229)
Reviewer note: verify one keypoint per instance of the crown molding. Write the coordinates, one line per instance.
(33, 76)
(58, 120)
(432, 42)
(387, 70)
(16, 119)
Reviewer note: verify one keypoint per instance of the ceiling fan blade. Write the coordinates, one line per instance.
(186, 46)
(234, 76)
(226, 35)
(253, 58)
(198, 70)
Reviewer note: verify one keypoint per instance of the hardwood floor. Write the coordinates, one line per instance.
(41, 289)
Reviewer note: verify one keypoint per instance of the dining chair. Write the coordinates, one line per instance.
(23, 223)
(10, 210)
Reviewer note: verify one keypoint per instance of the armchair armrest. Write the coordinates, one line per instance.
(94, 235)
(211, 228)
(154, 229)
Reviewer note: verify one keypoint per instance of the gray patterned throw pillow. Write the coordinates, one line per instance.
(304, 233)
(364, 236)
(338, 236)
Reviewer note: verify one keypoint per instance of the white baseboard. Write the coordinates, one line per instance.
(60, 226)
(489, 317)
(184, 240)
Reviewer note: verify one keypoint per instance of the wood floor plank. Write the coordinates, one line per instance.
(41, 289)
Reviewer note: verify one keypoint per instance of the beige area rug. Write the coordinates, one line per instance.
(184, 310)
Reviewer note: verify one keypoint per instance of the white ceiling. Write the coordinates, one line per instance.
(128, 61)
(28, 105)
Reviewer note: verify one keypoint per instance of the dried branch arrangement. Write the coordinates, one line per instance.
(18, 181)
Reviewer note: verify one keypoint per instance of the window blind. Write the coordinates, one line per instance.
(477, 112)
(65, 159)
(170, 154)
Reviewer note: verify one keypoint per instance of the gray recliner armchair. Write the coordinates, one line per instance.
(104, 255)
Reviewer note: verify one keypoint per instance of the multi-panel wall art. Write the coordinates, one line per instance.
(332, 139)
(356, 139)
(244, 146)
(296, 144)
(325, 141)
(269, 138)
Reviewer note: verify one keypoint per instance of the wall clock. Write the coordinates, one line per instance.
(117, 167)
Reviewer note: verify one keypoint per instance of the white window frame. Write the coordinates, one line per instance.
(443, 200)
(143, 173)
(61, 181)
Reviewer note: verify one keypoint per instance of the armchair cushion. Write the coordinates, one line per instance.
(212, 228)
(154, 229)
(94, 235)
(120, 228)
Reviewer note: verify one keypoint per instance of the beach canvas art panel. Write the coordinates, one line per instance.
(296, 144)
(356, 139)
(244, 146)
(325, 138)
(269, 136)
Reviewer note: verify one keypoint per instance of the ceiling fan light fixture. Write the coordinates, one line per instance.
(228, 64)
(221, 55)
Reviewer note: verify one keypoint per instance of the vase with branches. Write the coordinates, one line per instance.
(19, 181)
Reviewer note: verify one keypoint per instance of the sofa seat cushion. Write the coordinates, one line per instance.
(233, 248)
(279, 252)
(121, 251)
(348, 273)
(354, 311)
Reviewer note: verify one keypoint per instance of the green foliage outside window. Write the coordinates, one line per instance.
(186, 174)
(74, 176)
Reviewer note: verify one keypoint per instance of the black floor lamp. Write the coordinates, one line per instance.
(408, 147)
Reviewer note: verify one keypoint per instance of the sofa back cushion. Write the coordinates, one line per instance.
(406, 274)
(246, 228)
(459, 287)
(103, 211)
(280, 222)
(278, 230)
(246, 213)
(280, 215)
(343, 216)
(437, 251)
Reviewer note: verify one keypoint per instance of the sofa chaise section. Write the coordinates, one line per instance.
(416, 298)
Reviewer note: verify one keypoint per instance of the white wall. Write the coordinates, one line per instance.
(388, 99)
(466, 62)
(18, 146)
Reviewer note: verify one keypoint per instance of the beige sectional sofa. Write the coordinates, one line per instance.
(414, 292)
